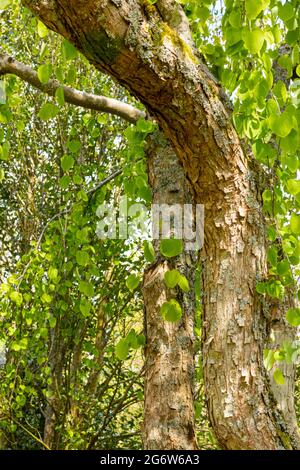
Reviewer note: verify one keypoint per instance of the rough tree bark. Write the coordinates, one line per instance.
(169, 353)
(137, 44)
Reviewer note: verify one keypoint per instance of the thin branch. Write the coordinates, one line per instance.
(39, 440)
(66, 211)
(8, 65)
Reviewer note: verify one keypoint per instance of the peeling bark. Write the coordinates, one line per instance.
(132, 41)
(169, 369)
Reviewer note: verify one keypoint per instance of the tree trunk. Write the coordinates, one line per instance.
(135, 42)
(169, 369)
(243, 412)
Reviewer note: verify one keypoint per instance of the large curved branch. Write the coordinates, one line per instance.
(8, 65)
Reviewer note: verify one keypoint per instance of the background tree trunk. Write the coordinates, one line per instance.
(134, 42)
(169, 353)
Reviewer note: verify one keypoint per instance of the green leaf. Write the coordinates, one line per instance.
(171, 278)
(15, 346)
(280, 92)
(255, 7)
(86, 288)
(135, 341)
(4, 151)
(235, 18)
(171, 247)
(283, 267)
(59, 73)
(233, 37)
(272, 256)
(171, 311)
(82, 258)
(132, 282)
(145, 126)
(291, 162)
(52, 322)
(122, 349)
(83, 235)
(291, 352)
(46, 298)
(2, 175)
(145, 193)
(85, 307)
(42, 29)
(289, 143)
(44, 72)
(254, 40)
(279, 355)
(23, 343)
(16, 297)
(82, 195)
(71, 74)
(141, 340)
(65, 181)
(149, 252)
(77, 179)
(131, 339)
(67, 162)
(286, 62)
(261, 287)
(275, 289)
(295, 223)
(281, 124)
(68, 50)
(53, 274)
(18, 345)
(293, 316)
(60, 96)
(4, 4)
(293, 187)
(265, 153)
(74, 145)
(48, 111)
(278, 377)
(183, 283)
(286, 11)
(269, 359)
